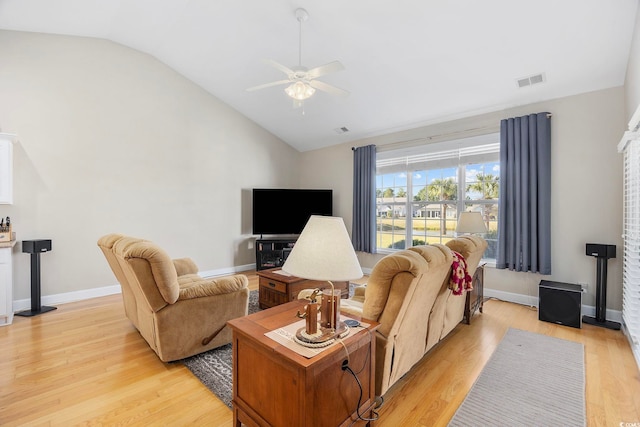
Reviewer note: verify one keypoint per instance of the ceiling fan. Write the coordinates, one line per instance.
(302, 81)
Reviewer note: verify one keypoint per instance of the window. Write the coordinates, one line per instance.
(421, 190)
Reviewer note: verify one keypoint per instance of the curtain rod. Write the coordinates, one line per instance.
(449, 135)
(410, 142)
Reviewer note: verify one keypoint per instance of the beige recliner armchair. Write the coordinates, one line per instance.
(408, 294)
(175, 310)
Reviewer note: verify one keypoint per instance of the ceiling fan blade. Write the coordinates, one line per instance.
(288, 71)
(322, 70)
(279, 82)
(329, 88)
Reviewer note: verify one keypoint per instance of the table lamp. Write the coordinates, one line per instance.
(470, 222)
(324, 252)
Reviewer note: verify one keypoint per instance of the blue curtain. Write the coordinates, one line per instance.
(364, 199)
(524, 234)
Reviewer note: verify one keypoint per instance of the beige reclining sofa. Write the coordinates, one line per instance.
(176, 311)
(408, 294)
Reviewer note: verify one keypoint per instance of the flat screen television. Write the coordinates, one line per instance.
(286, 211)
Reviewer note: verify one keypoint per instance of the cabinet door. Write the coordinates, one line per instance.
(6, 169)
(5, 285)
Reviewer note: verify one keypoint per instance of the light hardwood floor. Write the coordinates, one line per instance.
(85, 364)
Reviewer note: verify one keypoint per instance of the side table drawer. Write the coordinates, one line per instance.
(273, 285)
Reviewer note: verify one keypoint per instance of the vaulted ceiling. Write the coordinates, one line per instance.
(407, 63)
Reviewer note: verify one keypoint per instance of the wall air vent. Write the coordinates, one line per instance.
(342, 129)
(531, 80)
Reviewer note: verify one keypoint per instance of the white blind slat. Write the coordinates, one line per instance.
(631, 236)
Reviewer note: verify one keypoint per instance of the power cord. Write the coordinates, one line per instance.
(378, 401)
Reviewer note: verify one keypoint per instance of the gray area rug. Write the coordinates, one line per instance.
(215, 367)
(530, 380)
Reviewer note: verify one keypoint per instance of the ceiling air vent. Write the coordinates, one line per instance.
(341, 130)
(531, 80)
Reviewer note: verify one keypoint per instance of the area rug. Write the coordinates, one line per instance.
(530, 380)
(215, 367)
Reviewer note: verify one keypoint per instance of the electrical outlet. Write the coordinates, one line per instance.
(250, 244)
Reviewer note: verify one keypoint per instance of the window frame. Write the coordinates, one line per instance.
(458, 154)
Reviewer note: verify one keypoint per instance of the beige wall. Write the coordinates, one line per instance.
(632, 82)
(586, 185)
(112, 140)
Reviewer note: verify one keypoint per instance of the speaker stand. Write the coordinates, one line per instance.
(601, 299)
(36, 308)
(609, 324)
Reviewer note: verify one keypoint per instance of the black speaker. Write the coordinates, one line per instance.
(36, 246)
(560, 303)
(601, 251)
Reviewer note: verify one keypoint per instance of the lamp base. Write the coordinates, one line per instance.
(325, 337)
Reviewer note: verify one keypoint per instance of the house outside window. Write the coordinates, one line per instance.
(421, 190)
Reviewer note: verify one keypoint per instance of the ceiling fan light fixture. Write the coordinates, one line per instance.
(301, 81)
(299, 91)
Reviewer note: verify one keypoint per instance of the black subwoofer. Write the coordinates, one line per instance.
(560, 303)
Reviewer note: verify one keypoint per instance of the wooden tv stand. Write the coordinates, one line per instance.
(276, 289)
(271, 253)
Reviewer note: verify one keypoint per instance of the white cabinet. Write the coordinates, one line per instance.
(6, 168)
(6, 283)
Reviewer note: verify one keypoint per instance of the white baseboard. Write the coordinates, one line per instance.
(587, 310)
(25, 304)
(52, 300)
(511, 297)
(227, 271)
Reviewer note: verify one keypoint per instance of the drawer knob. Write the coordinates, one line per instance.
(273, 285)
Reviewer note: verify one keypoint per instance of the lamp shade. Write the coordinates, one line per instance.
(323, 252)
(470, 222)
(299, 90)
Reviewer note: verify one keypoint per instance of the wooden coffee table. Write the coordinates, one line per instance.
(275, 288)
(275, 386)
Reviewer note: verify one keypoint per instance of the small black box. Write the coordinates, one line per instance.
(560, 303)
(36, 246)
(601, 251)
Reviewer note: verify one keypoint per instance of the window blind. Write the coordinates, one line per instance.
(478, 149)
(630, 147)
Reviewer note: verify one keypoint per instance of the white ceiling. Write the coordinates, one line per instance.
(407, 62)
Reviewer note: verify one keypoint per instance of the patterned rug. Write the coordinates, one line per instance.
(530, 380)
(214, 367)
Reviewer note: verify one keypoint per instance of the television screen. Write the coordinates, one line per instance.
(286, 211)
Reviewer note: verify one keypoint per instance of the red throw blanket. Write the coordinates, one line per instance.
(460, 280)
